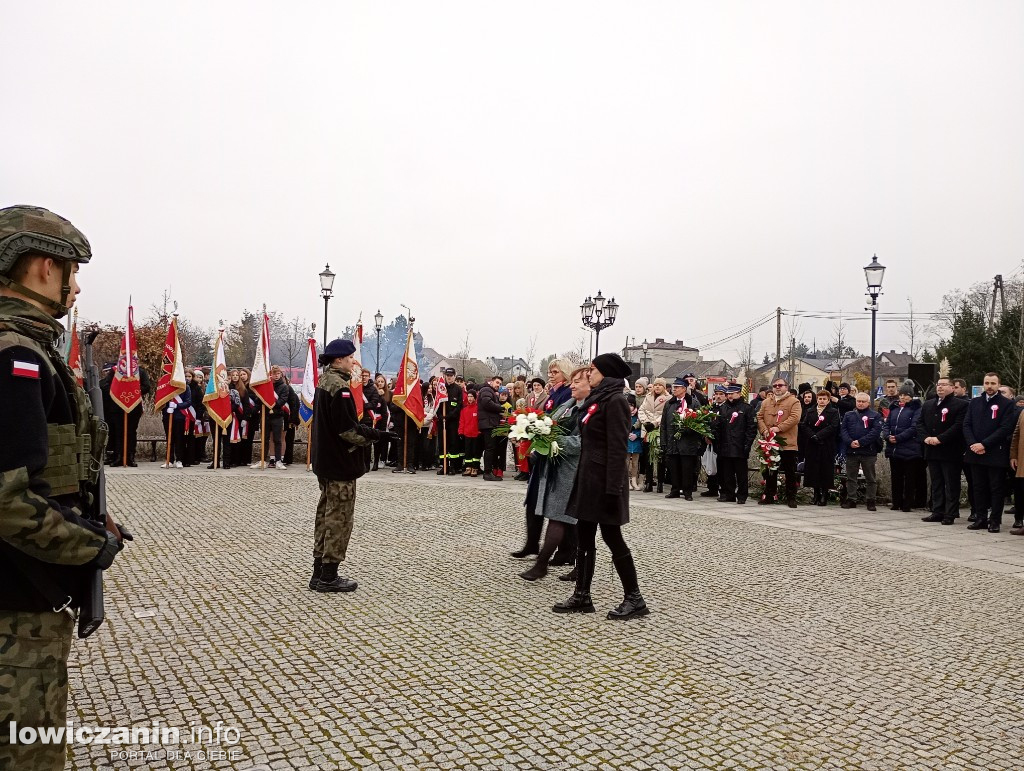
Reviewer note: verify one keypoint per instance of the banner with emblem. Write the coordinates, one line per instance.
(217, 399)
(408, 393)
(259, 380)
(74, 358)
(172, 371)
(126, 389)
(310, 380)
(356, 386)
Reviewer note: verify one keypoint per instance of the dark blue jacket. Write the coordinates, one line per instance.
(557, 396)
(853, 428)
(902, 424)
(993, 428)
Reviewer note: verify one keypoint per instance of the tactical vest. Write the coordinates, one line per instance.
(75, 453)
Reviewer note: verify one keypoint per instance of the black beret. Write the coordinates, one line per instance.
(612, 365)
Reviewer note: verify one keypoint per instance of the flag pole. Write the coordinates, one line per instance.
(309, 447)
(444, 441)
(263, 435)
(216, 445)
(124, 449)
(170, 420)
(405, 444)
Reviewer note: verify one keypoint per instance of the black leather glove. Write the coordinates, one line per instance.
(125, 534)
(649, 426)
(110, 549)
(390, 435)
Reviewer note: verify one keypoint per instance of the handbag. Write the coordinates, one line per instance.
(710, 461)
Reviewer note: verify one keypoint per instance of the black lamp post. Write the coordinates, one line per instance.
(326, 284)
(644, 364)
(591, 311)
(873, 272)
(378, 325)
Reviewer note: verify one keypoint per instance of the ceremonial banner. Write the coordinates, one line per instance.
(126, 389)
(259, 380)
(172, 371)
(408, 393)
(356, 386)
(217, 399)
(75, 352)
(310, 380)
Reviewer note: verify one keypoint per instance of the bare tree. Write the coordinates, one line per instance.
(464, 352)
(531, 353)
(839, 347)
(746, 357)
(913, 332)
(578, 355)
(293, 341)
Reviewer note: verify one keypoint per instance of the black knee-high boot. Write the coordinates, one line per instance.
(633, 603)
(534, 526)
(579, 601)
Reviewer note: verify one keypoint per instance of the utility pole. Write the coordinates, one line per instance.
(778, 342)
(997, 289)
(1020, 340)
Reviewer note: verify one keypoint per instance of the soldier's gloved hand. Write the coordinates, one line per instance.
(110, 549)
(125, 534)
(390, 435)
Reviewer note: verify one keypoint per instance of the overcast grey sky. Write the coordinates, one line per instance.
(490, 164)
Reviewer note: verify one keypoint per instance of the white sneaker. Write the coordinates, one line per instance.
(177, 464)
(257, 464)
(166, 465)
(280, 465)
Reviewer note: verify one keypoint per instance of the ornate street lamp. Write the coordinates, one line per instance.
(645, 361)
(873, 273)
(591, 312)
(378, 325)
(326, 285)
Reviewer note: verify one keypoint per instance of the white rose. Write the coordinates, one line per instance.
(533, 417)
(547, 421)
(555, 449)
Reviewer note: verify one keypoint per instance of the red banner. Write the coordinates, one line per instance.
(126, 390)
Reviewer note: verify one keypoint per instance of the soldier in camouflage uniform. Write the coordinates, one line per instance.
(338, 439)
(50, 455)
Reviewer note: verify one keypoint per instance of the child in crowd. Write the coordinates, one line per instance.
(501, 442)
(635, 445)
(469, 430)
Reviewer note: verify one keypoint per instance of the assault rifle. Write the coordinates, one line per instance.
(90, 616)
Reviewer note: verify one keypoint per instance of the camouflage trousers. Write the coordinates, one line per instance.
(34, 650)
(334, 515)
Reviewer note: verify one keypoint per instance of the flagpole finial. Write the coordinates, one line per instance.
(175, 311)
(264, 309)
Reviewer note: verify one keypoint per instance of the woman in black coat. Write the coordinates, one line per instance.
(819, 430)
(600, 491)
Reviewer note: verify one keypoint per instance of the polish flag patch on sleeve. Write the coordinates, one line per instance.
(26, 369)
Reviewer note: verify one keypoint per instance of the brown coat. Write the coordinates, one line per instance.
(1017, 446)
(789, 426)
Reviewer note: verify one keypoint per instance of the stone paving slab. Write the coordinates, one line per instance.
(766, 647)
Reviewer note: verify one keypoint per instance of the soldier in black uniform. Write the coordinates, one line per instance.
(50, 458)
(448, 425)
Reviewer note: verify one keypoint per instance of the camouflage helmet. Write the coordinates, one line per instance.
(35, 230)
(25, 229)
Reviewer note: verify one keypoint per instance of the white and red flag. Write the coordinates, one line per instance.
(356, 386)
(126, 389)
(172, 371)
(408, 393)
(217, 399)
(259, 380)
(310, 380)
(75, 351)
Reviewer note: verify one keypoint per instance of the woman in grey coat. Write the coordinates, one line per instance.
(557, 477)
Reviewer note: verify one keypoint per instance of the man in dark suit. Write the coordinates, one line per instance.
(940, 427)
(988, 426)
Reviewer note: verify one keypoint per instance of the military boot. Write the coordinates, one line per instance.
(632, 604)
(330, 581)
(315, 579)
(579, 601)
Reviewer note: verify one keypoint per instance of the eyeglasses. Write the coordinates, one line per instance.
(779, 385)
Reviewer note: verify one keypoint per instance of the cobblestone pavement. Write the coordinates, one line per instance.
(766, 647)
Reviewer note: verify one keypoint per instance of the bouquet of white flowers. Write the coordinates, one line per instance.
(536, 428)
